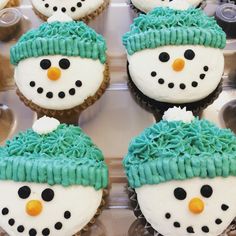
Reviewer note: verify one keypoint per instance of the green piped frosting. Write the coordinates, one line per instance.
(60, 38)
(177, 151)
(65, 156)
(165, 26)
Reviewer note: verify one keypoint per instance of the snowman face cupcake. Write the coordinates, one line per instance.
(41, 209)
(146, 6)
(195, 206)
(59, 82)
(177, 74)
(74, 8)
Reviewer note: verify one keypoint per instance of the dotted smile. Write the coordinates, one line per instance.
(64, 9)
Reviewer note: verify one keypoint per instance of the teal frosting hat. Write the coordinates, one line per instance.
(60, 38)
(65, 156)
(174, 150)
(165, 26)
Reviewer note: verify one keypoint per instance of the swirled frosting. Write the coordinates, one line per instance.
(178, 150)
(60, 38)
(165, 26)
(65, 156)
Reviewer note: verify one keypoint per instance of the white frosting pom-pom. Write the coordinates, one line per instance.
(59, 16)
(178, 114)
(45, 125)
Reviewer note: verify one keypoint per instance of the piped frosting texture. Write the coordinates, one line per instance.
(165, 26)
(177, 151)
(60, 38)
(65, 156)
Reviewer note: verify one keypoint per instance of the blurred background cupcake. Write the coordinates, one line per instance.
(142, 6)
(9, 3)
(168, 60)
(78, 10)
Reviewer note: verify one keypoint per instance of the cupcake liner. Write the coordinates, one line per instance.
(138, 12)
(86, 19)
(99, 211)
(158, 108)
(69, 115)
(12, 3)
(138, 213)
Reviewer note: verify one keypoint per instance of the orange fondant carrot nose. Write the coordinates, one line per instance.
(178, 64)
(33, 207)
(54, 73)
(196, 205)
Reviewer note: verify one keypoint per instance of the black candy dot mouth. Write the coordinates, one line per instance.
(181, 86)
(63, 9)
(32, 231)
(61, 94)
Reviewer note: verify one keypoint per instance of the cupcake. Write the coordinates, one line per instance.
(9, 3)
(78, 10)
(53, 178)
(168, 59)
(60, 68)
(146, 6)
(181, 173)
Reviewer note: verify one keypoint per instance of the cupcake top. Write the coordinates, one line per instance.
(146, 6)
(65, 156)
(177, 150)
(165, 26)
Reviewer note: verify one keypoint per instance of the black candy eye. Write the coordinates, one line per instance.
(206, 191)
(164, 57)
(47, 195)
(45, 64)
(64, 63)
(180, 193)
(24, 192)
(189, 54)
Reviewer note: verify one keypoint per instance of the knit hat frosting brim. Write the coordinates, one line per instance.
(65, 156)
(165, 26)
(176, 151)
(60, 38)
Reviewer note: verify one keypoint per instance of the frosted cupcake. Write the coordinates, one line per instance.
(168, 59)
(78, 10)
(60, 68)
(181, 172)
(146, 6)
(53, 178)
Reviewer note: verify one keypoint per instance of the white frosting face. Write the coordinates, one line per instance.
(3, 3)
(58, 82)
(74, 8)
(177, 74)
(166, 206)
(67, 212)
(147, 5)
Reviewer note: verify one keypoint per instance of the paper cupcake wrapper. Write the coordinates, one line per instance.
(138, 12)
(66, 116)
(86, 19)
(12, 3)
(158, 108)
(138, 213)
